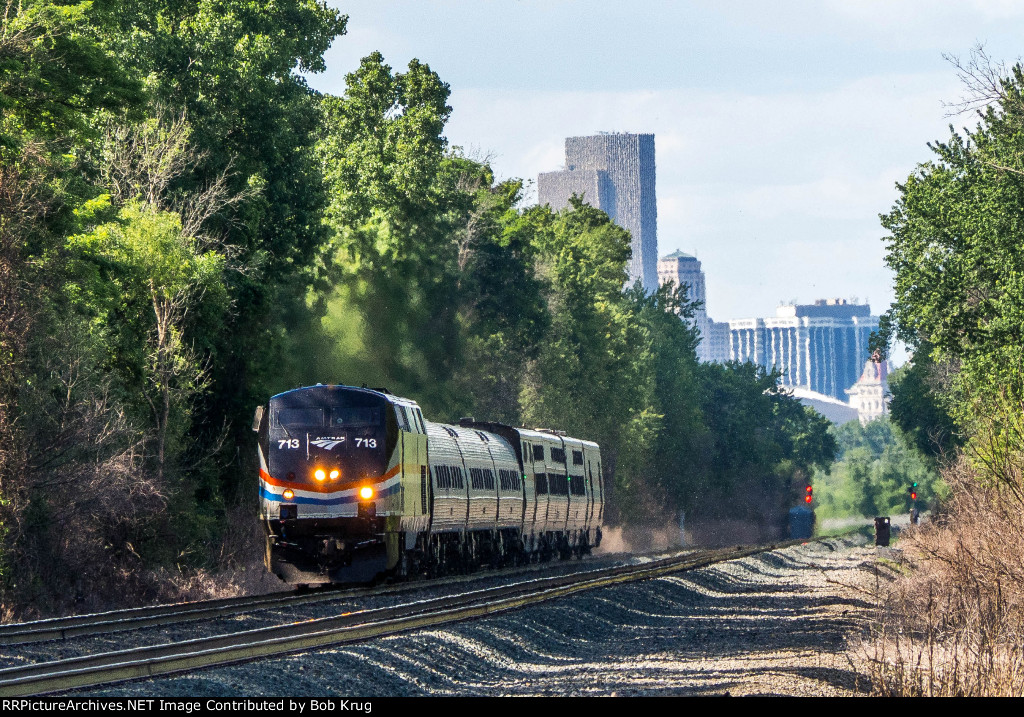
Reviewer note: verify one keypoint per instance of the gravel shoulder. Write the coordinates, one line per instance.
(772, 624)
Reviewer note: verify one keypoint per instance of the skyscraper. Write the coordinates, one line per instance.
(821, 346)
(614, 173)
(684, 270)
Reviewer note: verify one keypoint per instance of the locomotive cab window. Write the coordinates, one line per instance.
(538, 453)
(577, 458)
(351, 417)
(558, 455)
(403, 418)
(297, 417)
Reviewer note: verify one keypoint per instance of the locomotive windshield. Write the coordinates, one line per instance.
(340, 417)
(350, 416)
(296, 417)
(339, 431)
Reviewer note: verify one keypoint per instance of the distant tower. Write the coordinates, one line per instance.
(870, 395)
(684, 270)
(614, 173)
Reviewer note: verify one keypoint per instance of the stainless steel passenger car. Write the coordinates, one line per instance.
(355, 484)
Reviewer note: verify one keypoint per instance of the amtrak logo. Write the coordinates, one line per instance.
(328, 444)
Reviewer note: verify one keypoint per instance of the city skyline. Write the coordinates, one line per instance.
(782, 129)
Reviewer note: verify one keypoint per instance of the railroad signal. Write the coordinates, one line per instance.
(913, 490)
(809, 494)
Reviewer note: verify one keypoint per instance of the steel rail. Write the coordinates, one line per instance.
(63, 628)
(68, 674)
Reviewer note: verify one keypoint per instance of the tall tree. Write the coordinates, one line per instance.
(395, 204)
(955, 247)
(593, 376)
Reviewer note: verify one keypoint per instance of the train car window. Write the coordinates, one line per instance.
(558, 455)
(289, 417)
(509, 480)
(577, 458)
(419, 417)
(488, 479)
(576, 485)
(542, 484)
(350, 417)
(538, 453)
(558, 484)
(459, 483)
(476, 478)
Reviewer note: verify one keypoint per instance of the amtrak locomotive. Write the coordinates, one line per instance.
(355, 484)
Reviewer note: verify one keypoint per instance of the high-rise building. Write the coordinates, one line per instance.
(613, 172)
(684, 270)
(820, 346)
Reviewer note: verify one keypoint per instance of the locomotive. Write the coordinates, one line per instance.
(356, 485)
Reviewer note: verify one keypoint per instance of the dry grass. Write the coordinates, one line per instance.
(954, 625)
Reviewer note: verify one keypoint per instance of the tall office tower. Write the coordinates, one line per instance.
(615, 173)
(820, 346)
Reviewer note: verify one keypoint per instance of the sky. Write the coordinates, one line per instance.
(781, 128)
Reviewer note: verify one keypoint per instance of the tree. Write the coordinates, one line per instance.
(395, 207)
(875, 465)
(56, 74)
(954, 245)
(593, 375)
(502, 310)
(919, 410)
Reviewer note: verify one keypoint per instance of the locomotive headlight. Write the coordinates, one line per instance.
(366, 493)
(335, 473)
(320, 475)
(288, 494)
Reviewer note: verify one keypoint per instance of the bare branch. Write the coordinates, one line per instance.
(982, 79)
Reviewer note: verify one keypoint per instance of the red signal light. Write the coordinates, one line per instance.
(809, 497)
(913, 496)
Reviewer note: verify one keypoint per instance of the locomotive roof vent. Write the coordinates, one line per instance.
(466, 421)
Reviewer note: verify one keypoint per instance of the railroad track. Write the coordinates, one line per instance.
(65, 628)
(143, 662)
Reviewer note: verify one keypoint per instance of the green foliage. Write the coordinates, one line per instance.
(502, 307)
(918, 408)
(593, 375)
(761, 444)
(56, 73)
(875, 466)
(396, 203)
